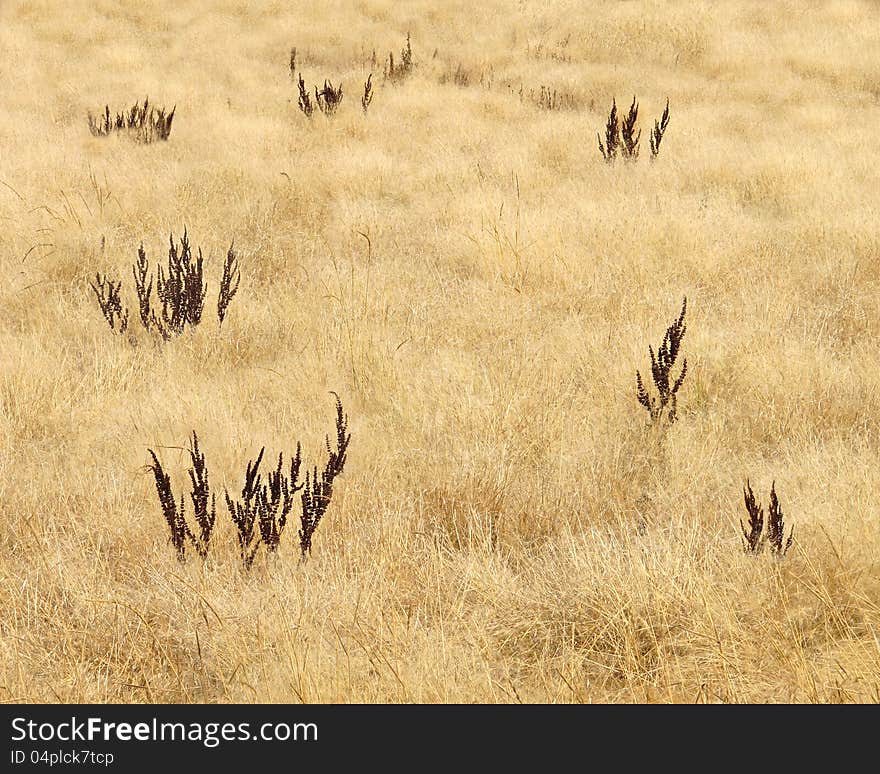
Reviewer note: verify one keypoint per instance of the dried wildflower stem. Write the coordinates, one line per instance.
(180, 286)
(779, 544)
(752, 537)
(141, 271)
(181, 289)
(244, 512)
(318, 491)
(329, 98)
(658, 131)
(611, 147)
(175, 517)
(228, 283)
(367, 98)
(110, 301)
(305, 101)
(200, 493)
(629, 150)
(622, 138)
(662, 363)
(397, 73)
(755, 538)
(144, 123)
(261, 513)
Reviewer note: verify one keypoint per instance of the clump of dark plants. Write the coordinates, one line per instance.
(143, 123)
(756, 538)
(180, 533)
(107, 293)
(180, 288)
(664, 404)
(400, 71)
(264, 504)
(329, 98)
(622, 138)
(553, 99)
(465, 77)
(460, 76)
(261, 513)
(556, 51)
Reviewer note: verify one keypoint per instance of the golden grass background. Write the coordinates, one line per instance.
(484, 543)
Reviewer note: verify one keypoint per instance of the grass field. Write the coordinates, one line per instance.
(479, 287)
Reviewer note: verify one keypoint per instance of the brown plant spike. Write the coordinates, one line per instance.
(612, 136)
(658, 131)
(175, 517)
(141, 270)
(553, 99)
(110, 302)
(228, 283)
(779, 544)
(461, 77)
(661, 372)
(756, 538)
(368, 93)
(406, 56)
(275, 501)
(244, 513)
(753, 537)
(630, 148)
(318, 491)
(305, 101)
(399, 73)
(200, 494)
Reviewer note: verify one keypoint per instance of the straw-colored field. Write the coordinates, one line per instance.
(507, 528)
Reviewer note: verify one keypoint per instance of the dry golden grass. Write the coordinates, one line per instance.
(507, 529)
